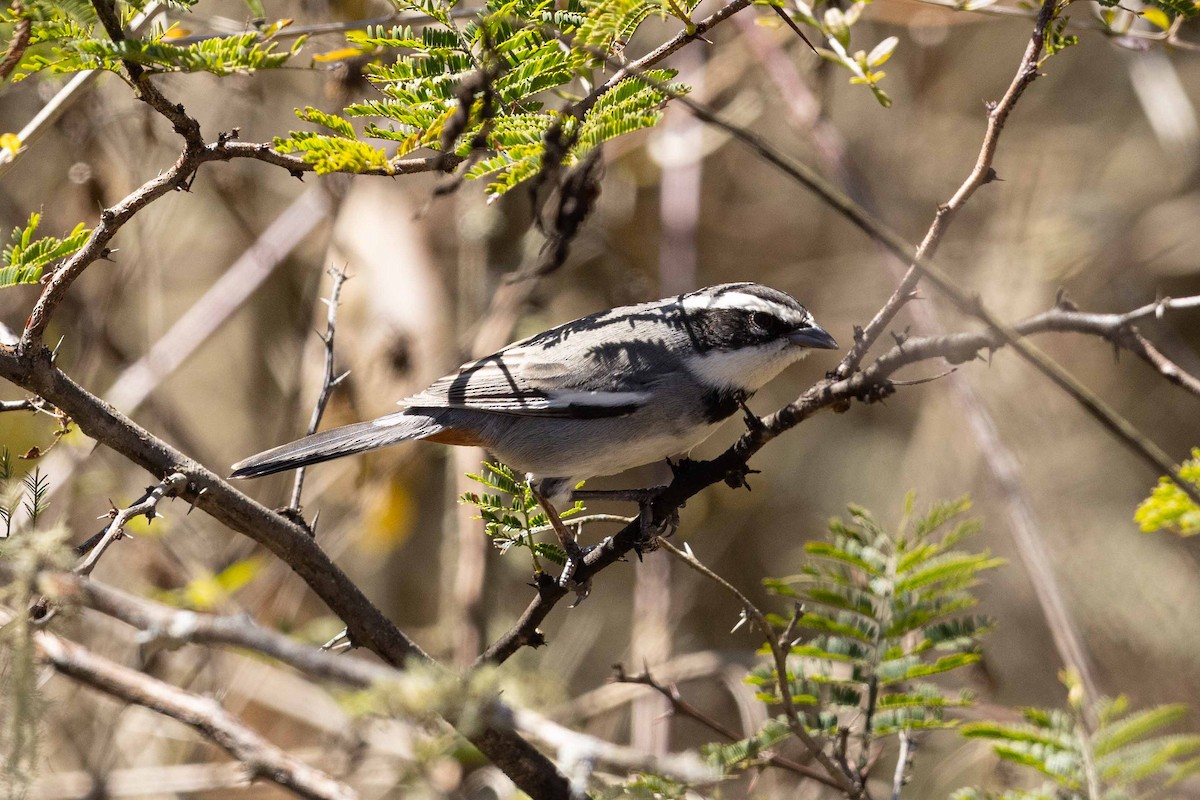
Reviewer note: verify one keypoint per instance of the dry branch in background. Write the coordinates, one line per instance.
(258, 757)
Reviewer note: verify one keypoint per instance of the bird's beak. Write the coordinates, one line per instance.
(813, 336)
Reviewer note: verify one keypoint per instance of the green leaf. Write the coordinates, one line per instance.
(26, 257)
(1169, 507)
(1136, 726)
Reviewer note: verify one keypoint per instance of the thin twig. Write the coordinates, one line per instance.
(29, 404)
(835, 776)
(329, 381)
(146, 506)
(680, 706)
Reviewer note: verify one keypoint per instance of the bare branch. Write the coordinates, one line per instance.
(981, 173)
(145, 506)
(682, 707)
(260, 758)
(29, 404)
(329, 381)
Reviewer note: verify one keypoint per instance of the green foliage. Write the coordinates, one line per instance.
(1057, 38)
(480, 92)
(66, 37)
(515, 519)
(748, 752)
(647, 787)
(1169, 507)
(1128, 756)
(28, 493)
(339, 152)
(26, 257)
(883, 612)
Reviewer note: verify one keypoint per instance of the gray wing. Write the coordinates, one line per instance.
(565, 378)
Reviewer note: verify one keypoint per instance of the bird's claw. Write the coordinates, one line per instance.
(575, 556)
(650, 531)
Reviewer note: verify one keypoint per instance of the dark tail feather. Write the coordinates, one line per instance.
(344, 441)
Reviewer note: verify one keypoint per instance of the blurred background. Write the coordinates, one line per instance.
(203, 329)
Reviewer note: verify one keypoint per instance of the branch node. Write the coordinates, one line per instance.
(735, 476)
(1063, 301)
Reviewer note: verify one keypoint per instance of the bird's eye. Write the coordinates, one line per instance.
(761, 319)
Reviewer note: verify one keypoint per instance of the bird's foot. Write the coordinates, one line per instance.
(650, 529)
(575, 556)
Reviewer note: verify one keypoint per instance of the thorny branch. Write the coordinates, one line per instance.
(329, 381)
(982, 173)
(146, 506)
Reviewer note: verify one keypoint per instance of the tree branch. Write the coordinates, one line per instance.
(177, 177)
(982, 173)
(329, 381)
(260, 758)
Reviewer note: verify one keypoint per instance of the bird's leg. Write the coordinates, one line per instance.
(574, 553)
(645, 499)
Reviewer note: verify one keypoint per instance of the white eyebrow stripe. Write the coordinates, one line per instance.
(738, 301)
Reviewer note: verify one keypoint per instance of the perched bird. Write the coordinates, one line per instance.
(607, 392)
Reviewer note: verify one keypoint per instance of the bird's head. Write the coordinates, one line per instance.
(746, 333)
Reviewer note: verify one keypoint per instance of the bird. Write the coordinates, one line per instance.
(604, 393)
